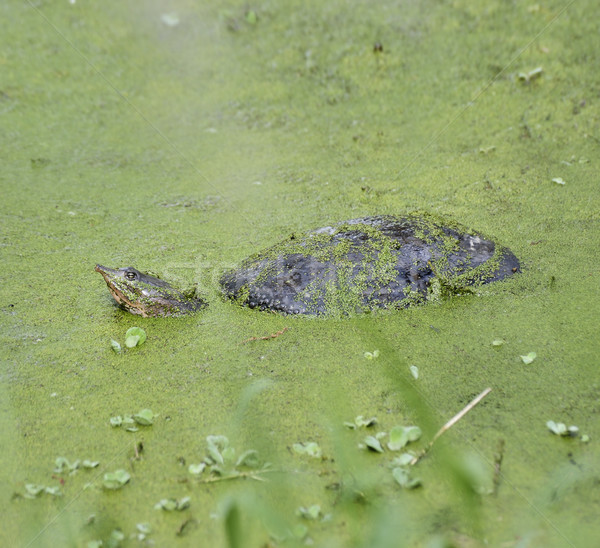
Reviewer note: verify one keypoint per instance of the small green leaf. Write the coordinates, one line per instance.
(248, 458)
(115, 346)
(251, 17)
(398, 438)
(558, 181)
(309, 448)
(145, 417)
(74, 465)
(90, 463)
(135, 336)
(61, 464)
(299, 448)
(217, 470)
(144, 528)
(402, 435)
(132, 341)
(313, 450)
(183, 503)
(531, 75)
(172, 504)
(71, 466)
(116, 421)
(136, 332)
(311, 512)
(535, 73)
(196, 469)
(559, 429)
(414, 371)
(373, 444)
(403, 460)
(32, 490)
(228, 454)
(585, 438)
(403, 478)
(497, 343)
(215, 446)
(166, 504)
(528, 358)
(116, 479)
(367, 423)
(414, 433)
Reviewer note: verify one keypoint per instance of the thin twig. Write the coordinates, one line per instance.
(271, 336)
(450, 424)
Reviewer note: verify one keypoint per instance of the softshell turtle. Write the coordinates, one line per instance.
(146, 295)
(353, 266)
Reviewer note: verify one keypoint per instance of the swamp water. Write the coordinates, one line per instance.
(182, 140)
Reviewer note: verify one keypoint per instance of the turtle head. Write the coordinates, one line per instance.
(146, 295)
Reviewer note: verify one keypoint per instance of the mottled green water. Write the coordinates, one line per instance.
(183, 149)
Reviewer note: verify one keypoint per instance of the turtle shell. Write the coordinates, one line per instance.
(366, 264)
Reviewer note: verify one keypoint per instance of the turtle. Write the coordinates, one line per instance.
(355, 266)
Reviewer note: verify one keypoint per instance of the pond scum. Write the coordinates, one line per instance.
(98, 168)
(374, 484)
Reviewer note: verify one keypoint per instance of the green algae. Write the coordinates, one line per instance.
(299, 102)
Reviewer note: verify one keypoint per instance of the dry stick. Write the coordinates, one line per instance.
(450, 424)
(271, 336)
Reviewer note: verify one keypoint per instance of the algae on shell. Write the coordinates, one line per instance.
(368, 263)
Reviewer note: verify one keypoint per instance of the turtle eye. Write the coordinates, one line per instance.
(131, 275)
